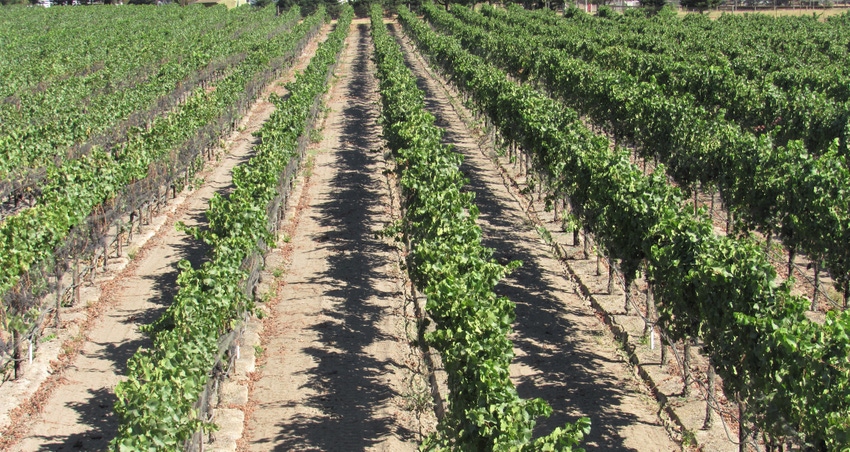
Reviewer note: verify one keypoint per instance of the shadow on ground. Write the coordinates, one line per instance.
(348, 380)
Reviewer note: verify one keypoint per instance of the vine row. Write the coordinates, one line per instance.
(457, 274)
(83, 198)
(793, 374)
(157, 404)
(783, 191)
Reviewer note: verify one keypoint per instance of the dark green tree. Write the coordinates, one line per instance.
(653, 4)
(307, 6)
(700, 5)
(447, 3)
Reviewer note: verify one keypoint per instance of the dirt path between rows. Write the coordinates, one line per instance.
(564, 353)
(79, 413)
(335, 367)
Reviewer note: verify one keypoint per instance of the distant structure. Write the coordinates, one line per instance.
(230, 4)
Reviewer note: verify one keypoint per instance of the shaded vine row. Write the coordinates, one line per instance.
(783, 191)
(157, 404)
(793, 374)
(457, 274)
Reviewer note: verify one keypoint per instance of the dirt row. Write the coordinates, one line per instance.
(336, 365)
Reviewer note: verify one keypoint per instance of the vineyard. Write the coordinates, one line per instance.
(459, 228)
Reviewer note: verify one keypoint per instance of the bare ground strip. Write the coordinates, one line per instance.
(334, 369)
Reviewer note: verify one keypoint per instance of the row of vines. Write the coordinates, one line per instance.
(793, 374)
(158, 404)
(71, 76)
(83, 200)
(457, 274)
(789, 191)
(782, 76)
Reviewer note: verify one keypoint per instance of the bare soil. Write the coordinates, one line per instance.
(336, 362)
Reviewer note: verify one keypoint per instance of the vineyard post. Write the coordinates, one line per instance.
(576, 236)
(816, 268)
(58, 297)
(650, 310)
(523, 162)
(712, 393)
(686, 367)
(17, 352)
(76, 280)
(792, 251)
(730, 221)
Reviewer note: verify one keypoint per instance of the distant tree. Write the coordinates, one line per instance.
(447, 3)
(307, 6)
(700, 5)
(606, 12)
(653, 4)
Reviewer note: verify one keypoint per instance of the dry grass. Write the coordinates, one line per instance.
(822, 14)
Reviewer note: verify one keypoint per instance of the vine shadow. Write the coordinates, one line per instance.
(347, 380)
